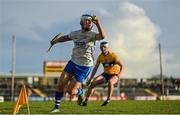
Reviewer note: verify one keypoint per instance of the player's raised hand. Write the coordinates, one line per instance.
(95, 19)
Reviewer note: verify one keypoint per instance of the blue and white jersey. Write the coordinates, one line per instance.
(84, 44)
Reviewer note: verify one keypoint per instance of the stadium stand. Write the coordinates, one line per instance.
(128, 88)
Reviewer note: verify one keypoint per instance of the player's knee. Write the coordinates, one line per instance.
(72, 91)
(110, 83)
(68, 91)
(61, 87)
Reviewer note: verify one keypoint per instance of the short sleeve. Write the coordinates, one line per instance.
(93, 36)
(72, 35)
(116, 58)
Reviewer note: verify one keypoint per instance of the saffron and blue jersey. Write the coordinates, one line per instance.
(109, 63)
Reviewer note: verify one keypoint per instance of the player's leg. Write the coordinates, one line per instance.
(67, 89)
(75, 90)
(80, 75)
(73, 86)
(111, 82)
(64, 78)
(97, 81)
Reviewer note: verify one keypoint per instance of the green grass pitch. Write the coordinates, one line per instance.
(94, 107)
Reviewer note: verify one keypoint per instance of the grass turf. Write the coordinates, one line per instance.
(94, 107)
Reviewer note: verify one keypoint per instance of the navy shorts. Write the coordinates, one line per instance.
(80, 72)
(108, 76)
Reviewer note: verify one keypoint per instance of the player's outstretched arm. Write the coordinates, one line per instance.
(93, 73)
(121, 69)
(58, 38)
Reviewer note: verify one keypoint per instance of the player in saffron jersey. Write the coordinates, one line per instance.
(112, 72)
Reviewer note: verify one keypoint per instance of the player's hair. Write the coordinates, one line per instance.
(104, 43)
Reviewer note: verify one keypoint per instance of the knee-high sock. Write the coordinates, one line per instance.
(58, 98)
(79, 91)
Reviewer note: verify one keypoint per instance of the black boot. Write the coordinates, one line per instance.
(105, 102)
(84, 103)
